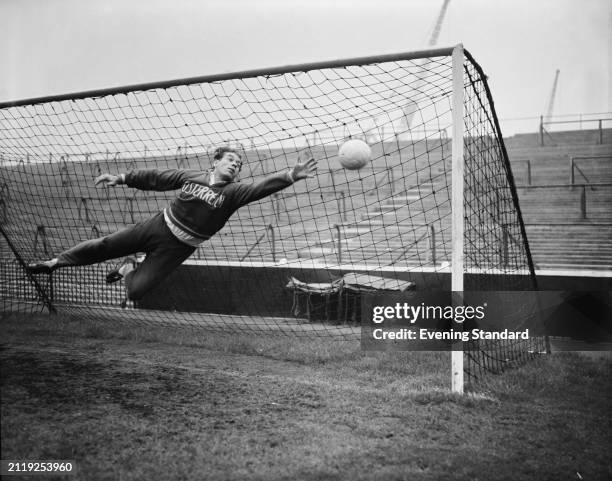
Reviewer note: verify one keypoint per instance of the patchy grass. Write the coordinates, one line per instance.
(150, 403)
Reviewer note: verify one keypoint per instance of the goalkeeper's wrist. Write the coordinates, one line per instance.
(122, 178)
(291, 174)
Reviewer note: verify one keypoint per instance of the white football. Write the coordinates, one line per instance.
(354, 154)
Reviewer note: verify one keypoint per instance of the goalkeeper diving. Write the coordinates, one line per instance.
(205, 203)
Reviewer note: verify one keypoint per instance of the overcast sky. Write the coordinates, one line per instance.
(59, 46)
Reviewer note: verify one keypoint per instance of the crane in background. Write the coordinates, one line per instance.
(433, 39)
(551, 101)
(411, 106)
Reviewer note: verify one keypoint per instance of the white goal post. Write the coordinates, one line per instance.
(457, 209)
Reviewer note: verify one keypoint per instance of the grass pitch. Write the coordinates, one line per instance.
(142, 404)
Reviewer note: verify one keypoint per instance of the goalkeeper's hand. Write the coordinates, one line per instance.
(306, 166)
(109, 180)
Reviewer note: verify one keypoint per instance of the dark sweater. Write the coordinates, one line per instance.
(200, 209)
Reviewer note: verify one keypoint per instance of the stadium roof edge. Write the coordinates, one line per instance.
(339, 63)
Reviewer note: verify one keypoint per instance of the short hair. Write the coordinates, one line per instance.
(221, 151)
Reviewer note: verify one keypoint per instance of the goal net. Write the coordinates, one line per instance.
(298, 261)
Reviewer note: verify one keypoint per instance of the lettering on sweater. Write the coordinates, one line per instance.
(204, 193)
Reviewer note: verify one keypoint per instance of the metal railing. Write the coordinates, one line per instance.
(574, 168)
(429, 234)
(269, 233)
(279, 203)
(579, 121)
(387, 174)
(527, 162)
(583, 200)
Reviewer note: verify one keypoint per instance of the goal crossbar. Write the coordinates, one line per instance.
(280, 70)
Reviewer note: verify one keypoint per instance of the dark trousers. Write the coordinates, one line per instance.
(164, 253)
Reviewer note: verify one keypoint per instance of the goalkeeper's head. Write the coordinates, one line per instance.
(227, 163)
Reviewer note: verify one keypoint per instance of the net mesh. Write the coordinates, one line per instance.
(496, 250)
(390, 219)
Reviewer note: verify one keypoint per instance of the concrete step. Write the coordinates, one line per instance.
(577, 267)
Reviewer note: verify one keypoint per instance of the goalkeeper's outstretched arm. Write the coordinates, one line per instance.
(148, 179)
(304, 168)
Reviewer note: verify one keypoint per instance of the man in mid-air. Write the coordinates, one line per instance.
(205, 203)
